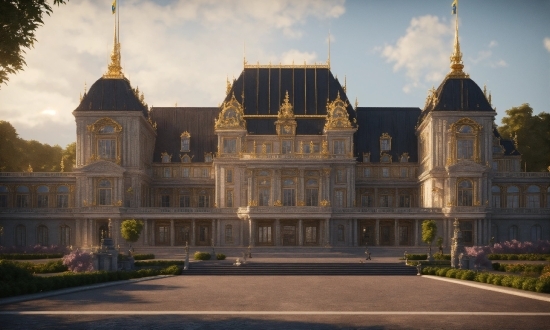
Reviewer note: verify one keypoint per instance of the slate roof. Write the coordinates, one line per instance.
(172, 121)
(508, 145)
(399, 123)
(264, 88)
(111, 95)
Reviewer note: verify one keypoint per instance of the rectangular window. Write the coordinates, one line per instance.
(405, 201)
(65, 236)
(205, 172)
(106, 148)
(20, 235)
(185, 201)
(339, 147)
(62, 201)
(228, 234)
(286, 147)
(465, 149)
(339, 198)
(185, 172)
(386, 201)
(385, 172)
(163, 235)
(105, 196)
(289, 197)
(22, 200)
(532, 201)
(263, 196)
(264, 234)
(404, 173)
(228, 176)
(165, 201)
(167, 173)
(3, 201)
(42, 200)
(495, 201)
(311, 235)
(204, 201)
(312, 197)
(512, 201)
(366, 172)
(367, 201)
(230, 146)
(184, 144)
(229, 198)
(340, 233)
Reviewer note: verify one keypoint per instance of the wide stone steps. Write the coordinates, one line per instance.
(340, 269)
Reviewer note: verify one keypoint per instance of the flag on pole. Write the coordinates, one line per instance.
(454, 7)
(113, 6)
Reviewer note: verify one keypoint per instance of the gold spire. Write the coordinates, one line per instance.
(456, 56)
(114, 69)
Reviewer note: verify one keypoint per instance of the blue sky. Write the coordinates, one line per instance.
(391, 52)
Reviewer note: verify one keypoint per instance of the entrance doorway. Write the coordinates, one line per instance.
(203, 234)
(289, 234)
(311, 233)
(366, 233)
(387, 235)
(265, 233)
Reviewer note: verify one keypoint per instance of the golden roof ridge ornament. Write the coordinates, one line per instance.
(286, 110)
(456, 57)
(114, 69)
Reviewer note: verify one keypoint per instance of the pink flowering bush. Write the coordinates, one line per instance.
(479, 253)
(78, 261)
(517, 247)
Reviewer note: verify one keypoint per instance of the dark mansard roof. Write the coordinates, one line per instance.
(264, 88)
(111, 95)
(173, 121)
(508, 145)
(399, 123)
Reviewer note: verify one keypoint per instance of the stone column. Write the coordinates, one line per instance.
(354, 234)
(153, 229)
(377, 232)
(241, 227)
(250, 232)
(78, 229)
(301, 187)
(278, 236)
(194, 230)
(214, 232)
(172, 232)
(219, 231)
(396, 232)
(145, 232)
(416, 232)
(300, 232)
(327, 231)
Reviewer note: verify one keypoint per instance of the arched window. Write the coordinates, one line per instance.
(20, 235)
(64, 235)
(3, 196)
(465, 193)
(465, 142)
(228, 234)
(512, 197)
(42, 198)
(536, 233)
(105, 192)
(513, 233)
(532, 197)
(62, 197)
(42, 235)
(495, 197)
(22, 196)
(165, 157)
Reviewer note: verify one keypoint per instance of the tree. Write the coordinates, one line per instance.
(131, 229)
(429, 230)
(532, 134)
(19, 20)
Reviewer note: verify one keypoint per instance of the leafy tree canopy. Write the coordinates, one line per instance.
(532, 133)
(17, 154)
(429, 230)
(131, 229)
(19, 20)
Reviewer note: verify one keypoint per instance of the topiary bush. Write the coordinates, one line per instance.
(220, 256)
(201, 256)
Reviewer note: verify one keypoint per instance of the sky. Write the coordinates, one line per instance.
(389, 53)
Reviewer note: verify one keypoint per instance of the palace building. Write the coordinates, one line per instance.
(286, 160)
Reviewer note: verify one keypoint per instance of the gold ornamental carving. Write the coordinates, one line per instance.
(325, 203)
(231, 115)
(105, 121)
(253, 202)
(301, 203)
(286, 120)
(278, 203)
(337, 115)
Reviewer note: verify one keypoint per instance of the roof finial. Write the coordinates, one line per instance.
(456, 56)
(328, 61)
(114, 69)
(345, 84)
(228, 86)
(356, 103)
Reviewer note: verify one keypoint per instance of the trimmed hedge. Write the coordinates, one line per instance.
(158, 263)
(202, 255)
(524, 269)
(439, 256)
(143, 256)
(541, 284)
(220, 256)
(411, 256)
(17, 281)
(526, 256)
(30, 256)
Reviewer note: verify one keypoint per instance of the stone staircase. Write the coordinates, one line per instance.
(326, 269)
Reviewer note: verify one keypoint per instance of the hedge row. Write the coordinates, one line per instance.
(27, 285)
(527, 256)
(158, 263)
(436, 256)
(54, 266)
(537, 269)
(430, 263)
(541, 284)
(143, 256)
(30, 256)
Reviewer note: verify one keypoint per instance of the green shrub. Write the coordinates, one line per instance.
(468, 275)
(529, 284)
(543, 284)
(497, 280)
(517, 282)
(10, 271)
(144, 256)
(451, 273)
(172, 270)
(440, 256)
(416, 256)
(496, 265)
(30, 256)
(443, 271)
(220, 256)
(201, 255)
(481, 277)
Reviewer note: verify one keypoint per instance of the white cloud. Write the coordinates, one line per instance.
(180, 51)
(492, 44)
(547, 44)
(499, 64)
(423, 52)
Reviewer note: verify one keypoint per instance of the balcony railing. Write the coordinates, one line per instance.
(36, 174)
(522, 174)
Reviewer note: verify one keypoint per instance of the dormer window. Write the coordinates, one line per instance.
(385, 158)
(185, 141)
(404, 158)
(385, 142)
(165, 157)
(208, 157)
(366, 157)
(185, 159)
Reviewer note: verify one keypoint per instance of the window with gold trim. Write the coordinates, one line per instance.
(42, 197)
(62, 197)
(185, 142)
(465, 193)
(104, 192)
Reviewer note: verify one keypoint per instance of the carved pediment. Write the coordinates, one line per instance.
(104, 168)
(231, 116)
(337, 115)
